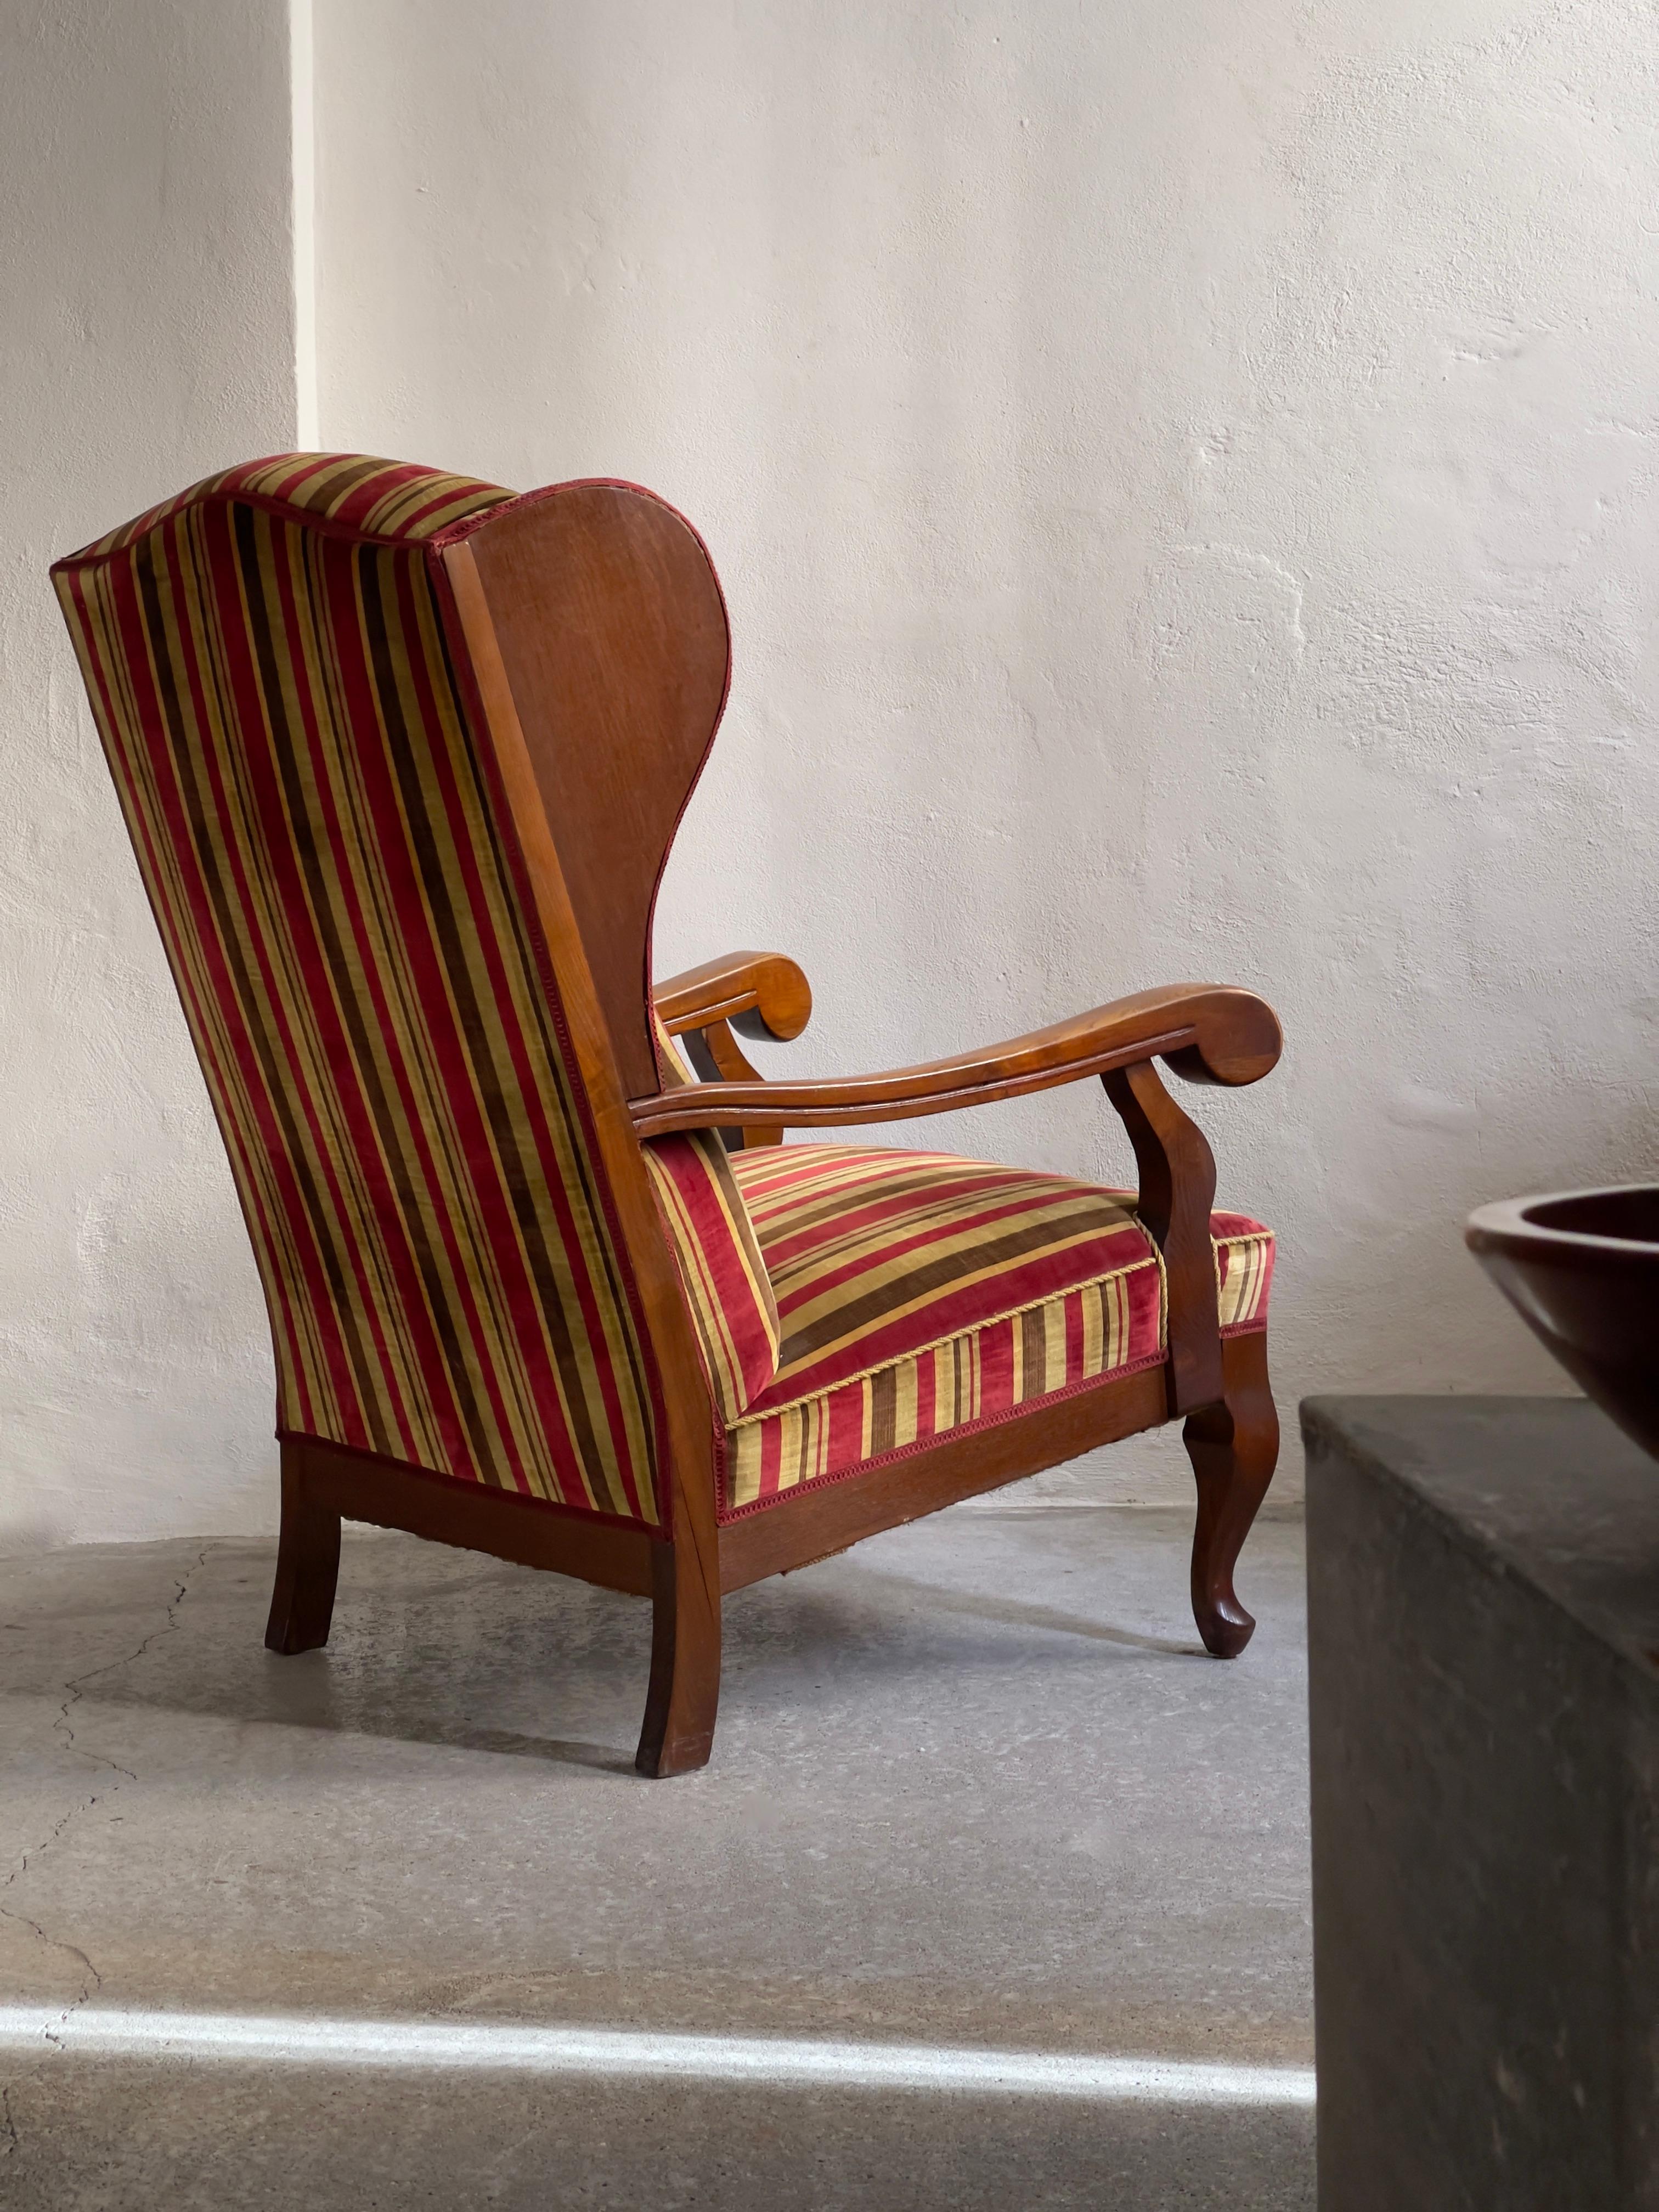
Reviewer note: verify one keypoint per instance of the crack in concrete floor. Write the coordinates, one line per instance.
(75, 1689)
(970, 1785)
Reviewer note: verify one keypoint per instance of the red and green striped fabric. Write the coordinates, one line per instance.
(385, 502)
(1244, 1271)
(722, 1271)
(349, 923)
(918, 1294)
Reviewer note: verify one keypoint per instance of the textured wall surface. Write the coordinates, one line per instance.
(1184, 481)
(146, 336)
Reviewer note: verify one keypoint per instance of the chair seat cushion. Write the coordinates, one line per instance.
(917, 1293)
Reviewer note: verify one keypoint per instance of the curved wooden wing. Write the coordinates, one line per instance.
(613, 635)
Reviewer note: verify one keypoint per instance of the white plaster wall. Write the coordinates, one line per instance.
(1184, 478)
(146, 336)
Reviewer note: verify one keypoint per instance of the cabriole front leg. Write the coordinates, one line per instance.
(1234, 1448)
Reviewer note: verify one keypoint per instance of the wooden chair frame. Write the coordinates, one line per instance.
(590, 634)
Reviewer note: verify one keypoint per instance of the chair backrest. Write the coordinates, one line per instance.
(420, 1091)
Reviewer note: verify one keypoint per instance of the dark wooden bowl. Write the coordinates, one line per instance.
(1582, 1269)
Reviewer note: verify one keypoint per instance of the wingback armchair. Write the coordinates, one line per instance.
(402, 756)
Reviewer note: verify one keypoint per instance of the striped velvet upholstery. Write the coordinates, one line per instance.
(1244, 1271)
(350, 930)
(396, 501)
(919, 1293)
(727, 1286)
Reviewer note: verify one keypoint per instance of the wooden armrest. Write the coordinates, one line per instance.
(1208, 1032)
(761, 995)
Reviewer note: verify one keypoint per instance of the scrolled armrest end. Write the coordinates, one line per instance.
(760, 994)
(1239, 1041)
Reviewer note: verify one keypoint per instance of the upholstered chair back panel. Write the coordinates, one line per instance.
(344, 903)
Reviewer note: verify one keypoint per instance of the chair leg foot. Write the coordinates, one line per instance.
(685, 1664)
(307, 1565)
(1233, 1447)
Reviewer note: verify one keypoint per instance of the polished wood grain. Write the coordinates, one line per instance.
(323, 1482)
(307, 1561)
(812, 1524)
(1228, 1036)
(1176, 1172)
(683, 1694)
(761, 995)
(1234, 1448)
(719, 1058)
(609, 623)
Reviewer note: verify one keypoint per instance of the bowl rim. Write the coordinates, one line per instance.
(1503, 1221)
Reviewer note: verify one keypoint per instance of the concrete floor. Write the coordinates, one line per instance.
(975, 1784)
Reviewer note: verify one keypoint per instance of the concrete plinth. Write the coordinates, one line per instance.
(1484, 1655)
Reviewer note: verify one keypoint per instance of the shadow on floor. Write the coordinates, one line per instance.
(425, 1660)
(1012, 1613)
